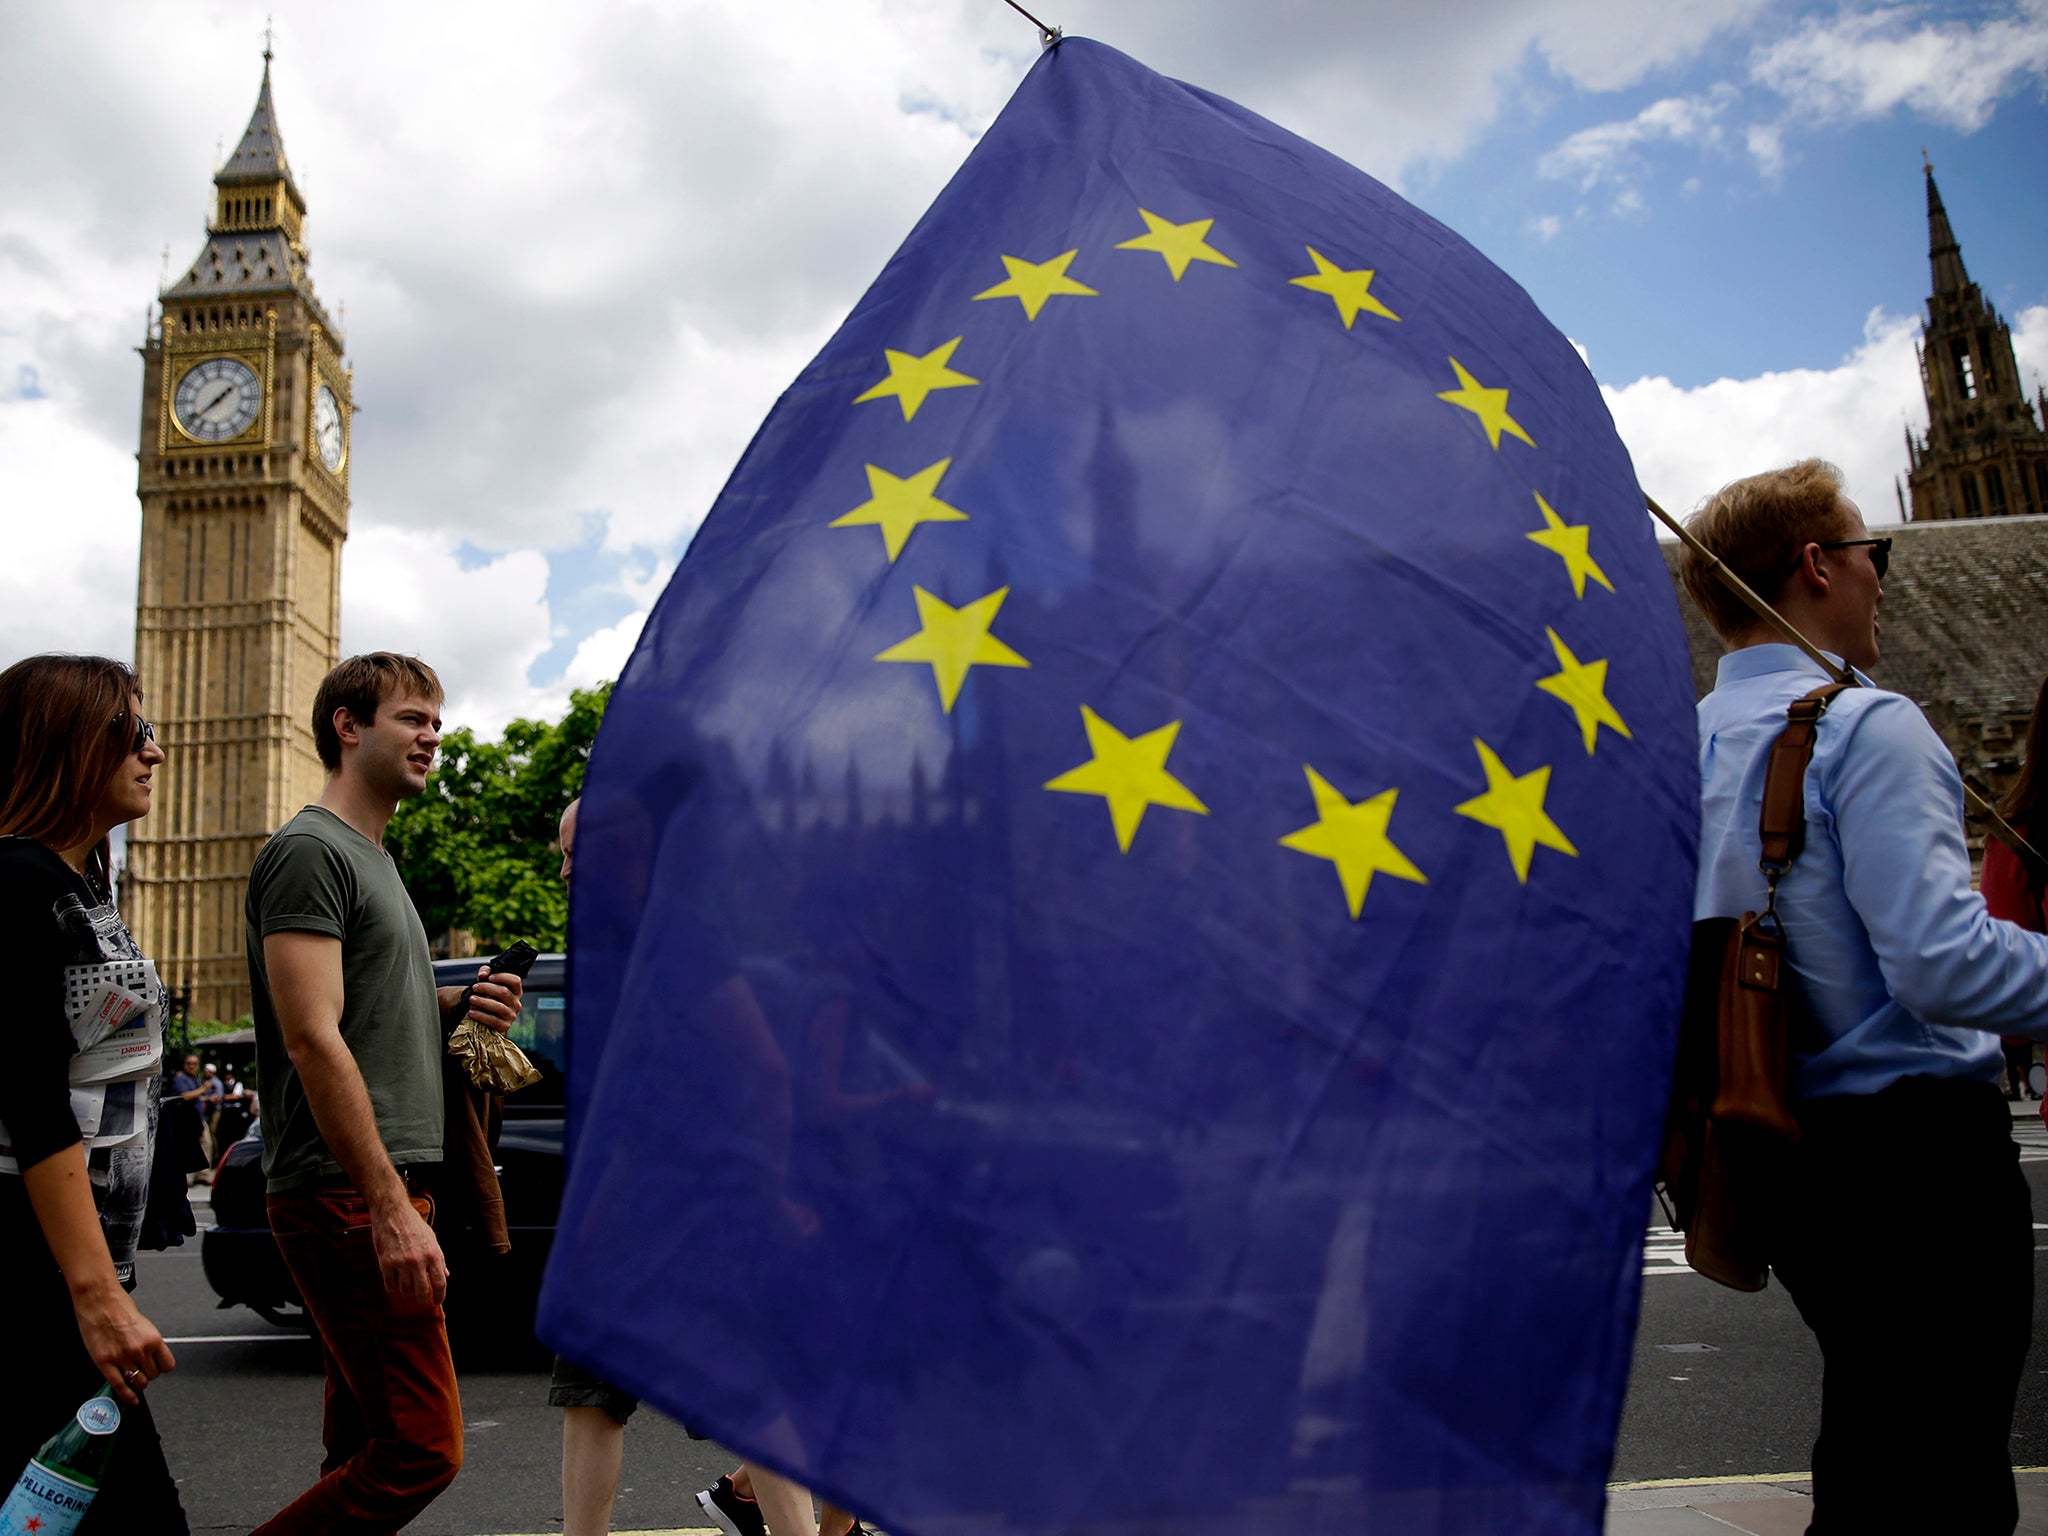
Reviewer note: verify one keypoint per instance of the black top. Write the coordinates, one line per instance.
(35, 1096)
(72, 967)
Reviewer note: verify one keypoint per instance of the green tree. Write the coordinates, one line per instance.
(477, 850)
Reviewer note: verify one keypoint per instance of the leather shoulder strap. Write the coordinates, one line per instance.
(1783, 818)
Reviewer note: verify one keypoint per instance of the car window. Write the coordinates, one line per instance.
(541, 1024)
(541, 1032)
(543, 1021)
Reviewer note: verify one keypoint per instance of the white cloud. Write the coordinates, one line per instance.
(603, 655)
(1687, 443)
(1388, 84)
(1613, 152)
(1870, 63)
(481, 629)
(658, 460)
(67, 502)
(1845, 66)
(582, 249)
(2030, 348)
(1766, 145)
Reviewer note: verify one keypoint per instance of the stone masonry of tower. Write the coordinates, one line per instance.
(1985, 453)
(243, 480)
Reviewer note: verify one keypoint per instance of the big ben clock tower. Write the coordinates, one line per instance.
(243, 480)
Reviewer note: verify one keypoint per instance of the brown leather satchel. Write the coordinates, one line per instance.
(1731, 1117)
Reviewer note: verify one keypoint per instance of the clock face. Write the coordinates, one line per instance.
(218, 399)
(327, 434)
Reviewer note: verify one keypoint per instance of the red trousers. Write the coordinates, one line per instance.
(393, 1423)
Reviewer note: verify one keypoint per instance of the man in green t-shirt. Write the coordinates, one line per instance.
(349, 1034)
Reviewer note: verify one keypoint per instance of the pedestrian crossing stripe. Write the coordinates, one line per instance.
(1664, 1250)
(1746, 1477)
(1664, 1253)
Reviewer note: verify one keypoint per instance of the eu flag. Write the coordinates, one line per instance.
(1131, 900)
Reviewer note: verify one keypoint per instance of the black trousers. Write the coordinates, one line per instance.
(49, 1374)
(1906, 1240)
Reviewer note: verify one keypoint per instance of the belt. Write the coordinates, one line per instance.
(416, 1177)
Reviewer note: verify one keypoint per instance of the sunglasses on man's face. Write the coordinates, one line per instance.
(144, 731)
(1880, 551)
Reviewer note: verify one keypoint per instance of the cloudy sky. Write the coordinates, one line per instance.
(583, 248)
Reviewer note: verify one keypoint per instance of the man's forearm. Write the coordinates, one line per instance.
(347, 1121)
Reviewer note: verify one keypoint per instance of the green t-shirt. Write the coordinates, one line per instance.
(319, 875)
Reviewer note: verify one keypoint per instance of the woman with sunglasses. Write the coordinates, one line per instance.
(78, 1102)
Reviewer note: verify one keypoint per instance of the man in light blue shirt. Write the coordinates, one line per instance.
(1905, 1232)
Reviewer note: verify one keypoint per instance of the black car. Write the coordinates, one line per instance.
(490, 1297)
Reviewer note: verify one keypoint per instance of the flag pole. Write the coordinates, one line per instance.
(2000, 828)
(1047, 36)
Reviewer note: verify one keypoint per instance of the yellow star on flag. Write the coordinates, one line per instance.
(1032, 284)
(1351, 291)
(1489, 405)
(1180, 244)
(1568, 542)
(1583, 687)
(911, 378)
(1513, 807)
(954, 639)
(1354, 838)
(898, 506)
(1130, 773)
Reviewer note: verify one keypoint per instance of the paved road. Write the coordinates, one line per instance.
(1724, 1384)
(241, 1423)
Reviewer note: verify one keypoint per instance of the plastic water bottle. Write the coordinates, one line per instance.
(57, 1486)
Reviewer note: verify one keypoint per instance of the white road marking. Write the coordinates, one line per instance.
(2032, 1135)
(1664, 1249)
(1664, 1253)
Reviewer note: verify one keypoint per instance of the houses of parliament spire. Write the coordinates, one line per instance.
(1985, 453)
(243, 476)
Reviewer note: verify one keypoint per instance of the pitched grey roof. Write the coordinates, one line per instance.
(246, 261)
(238, 262)
(1965, 631)
(260, 155)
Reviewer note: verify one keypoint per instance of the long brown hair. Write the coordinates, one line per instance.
(60, 742)
(2022, 802)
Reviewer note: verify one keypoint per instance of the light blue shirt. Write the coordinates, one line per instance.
(1905, 972)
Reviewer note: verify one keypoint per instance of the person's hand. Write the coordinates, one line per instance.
(494, 1000)
(125, 1345)
(408, 1255)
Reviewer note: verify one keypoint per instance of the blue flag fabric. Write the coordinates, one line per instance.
(1131, 900)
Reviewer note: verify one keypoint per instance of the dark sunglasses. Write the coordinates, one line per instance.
(144, 731)
(1880, 551)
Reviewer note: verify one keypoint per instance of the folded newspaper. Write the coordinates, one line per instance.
(493, 1062)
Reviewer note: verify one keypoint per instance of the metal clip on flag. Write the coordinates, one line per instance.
(1133, 897)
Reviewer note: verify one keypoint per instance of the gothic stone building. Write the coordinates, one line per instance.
(1966, 600)
(243, 479)
(1985, 453)
(1965, 635)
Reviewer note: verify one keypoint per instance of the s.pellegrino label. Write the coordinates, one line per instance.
(57, 1487)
